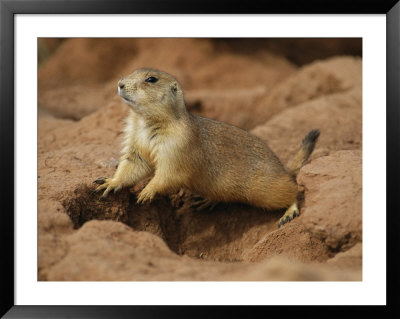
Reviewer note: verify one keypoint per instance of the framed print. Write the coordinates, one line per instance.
(166, 155)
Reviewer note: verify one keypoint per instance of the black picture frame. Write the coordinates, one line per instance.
(8, 10)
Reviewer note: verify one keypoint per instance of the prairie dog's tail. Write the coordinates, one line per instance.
(306, 148)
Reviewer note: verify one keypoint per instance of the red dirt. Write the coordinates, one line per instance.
(258, 89)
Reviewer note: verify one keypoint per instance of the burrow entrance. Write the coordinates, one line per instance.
(222, 234)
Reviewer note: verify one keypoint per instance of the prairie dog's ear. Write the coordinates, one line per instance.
(174, 87)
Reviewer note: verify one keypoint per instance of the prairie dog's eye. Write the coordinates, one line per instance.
(151, 79)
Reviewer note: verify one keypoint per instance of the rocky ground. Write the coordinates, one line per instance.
(276, 89)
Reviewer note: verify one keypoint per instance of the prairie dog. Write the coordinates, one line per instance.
(218, 161)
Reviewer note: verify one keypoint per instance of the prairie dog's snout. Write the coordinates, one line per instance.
(126, 89)
(121, 85)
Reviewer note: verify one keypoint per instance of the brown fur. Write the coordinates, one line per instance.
(306, 148)
(181, 150)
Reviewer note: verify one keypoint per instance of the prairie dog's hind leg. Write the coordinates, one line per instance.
(199, 203)
(290, 213)
(131, 169)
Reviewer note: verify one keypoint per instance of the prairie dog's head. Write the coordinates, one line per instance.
(152, 93)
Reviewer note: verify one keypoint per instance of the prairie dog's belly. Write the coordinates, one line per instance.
(166, 148)
(136, 138)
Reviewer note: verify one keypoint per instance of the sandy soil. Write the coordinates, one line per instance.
(276, 89)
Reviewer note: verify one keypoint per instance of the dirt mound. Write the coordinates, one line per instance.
(299, 51)
(105, 250)
(338, 117)
(335, 217)
(79, 136)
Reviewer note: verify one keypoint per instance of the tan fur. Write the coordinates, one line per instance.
(296, 162)
(215, 160)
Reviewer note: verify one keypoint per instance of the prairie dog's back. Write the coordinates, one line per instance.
(234, 160)
(236, 146)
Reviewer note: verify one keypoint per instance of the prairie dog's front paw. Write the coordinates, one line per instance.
(108, 184)
(145, 196)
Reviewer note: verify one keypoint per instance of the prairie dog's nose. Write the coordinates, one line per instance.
(121, 84)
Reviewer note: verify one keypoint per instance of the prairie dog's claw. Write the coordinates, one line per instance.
(198, 204)
(144, 197)
(100, 180)
(290, 213)
(107, 184)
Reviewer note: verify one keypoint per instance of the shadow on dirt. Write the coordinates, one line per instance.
(222, 234)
